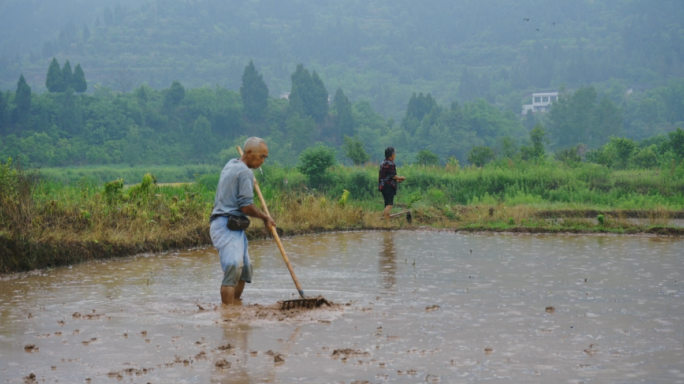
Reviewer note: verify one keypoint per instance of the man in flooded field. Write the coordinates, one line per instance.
(388, 180)
(232, 205)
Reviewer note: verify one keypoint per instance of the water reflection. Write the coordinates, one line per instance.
(617, 297)
(387, 261)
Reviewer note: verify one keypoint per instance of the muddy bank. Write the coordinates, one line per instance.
(21, 256)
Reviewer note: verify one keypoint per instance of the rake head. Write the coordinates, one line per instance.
(306, 302)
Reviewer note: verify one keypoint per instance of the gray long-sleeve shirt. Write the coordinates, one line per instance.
(235, 189)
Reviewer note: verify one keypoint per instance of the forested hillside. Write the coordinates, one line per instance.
(381, 50)
(178, 82)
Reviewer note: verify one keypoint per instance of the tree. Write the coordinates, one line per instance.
(254, 93)
(3, 110)
(624, 149)
(23, 97)
(201, 137)
(314, 162)
(344, 123)
(78, 81)
(86, 33)
(608, 119)
(480, 155)
(300, 131)
(124, 78)
(425, 157)
(353, 149)
(54, 81)
(174, 95)
(319, 98)
(676, 143)
(308, 96)
(67, 76)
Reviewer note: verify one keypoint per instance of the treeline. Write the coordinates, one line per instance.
(201, 125)
(380, 51)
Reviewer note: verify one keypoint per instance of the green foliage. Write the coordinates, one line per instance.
(113, 191)
(314, 161)
(174, 95)
(67, 76)
(78, 80)
(254, 93)
(353, 149)
(577, 118)
(22, 97)
(601, 220)
(538, 138)
(344, 123)
(480, 155)
(54, 81)
(677, 143)
(343, 199)
(201, 137)
(569, 155)
(308, 96)
(425, 157)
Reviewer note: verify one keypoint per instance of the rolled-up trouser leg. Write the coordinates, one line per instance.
(233, 254)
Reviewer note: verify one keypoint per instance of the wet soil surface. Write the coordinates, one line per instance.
(411, 307)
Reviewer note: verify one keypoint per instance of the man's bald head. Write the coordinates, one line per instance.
(255, 152)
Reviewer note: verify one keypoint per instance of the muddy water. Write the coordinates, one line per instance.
(423, 308)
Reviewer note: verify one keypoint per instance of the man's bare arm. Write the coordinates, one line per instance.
(253, 211)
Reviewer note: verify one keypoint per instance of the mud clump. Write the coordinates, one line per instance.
(222, 364)
(225, 347)
(592, 350)
(273, 313)
(550, 309)
(30, 379)
(278, 358)
(30, 348)
(348, 352)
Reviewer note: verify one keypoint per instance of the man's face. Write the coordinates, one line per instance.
(254, 158)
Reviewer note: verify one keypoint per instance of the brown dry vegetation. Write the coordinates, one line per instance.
(44, 225)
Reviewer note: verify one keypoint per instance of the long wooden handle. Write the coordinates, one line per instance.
(275, 235)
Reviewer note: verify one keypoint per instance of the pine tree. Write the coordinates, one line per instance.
(86, 33)
(299, 95)
(174, 95)
(78, 81)
(23, 96)
(67, 76)
(345, 120)
(319, 98)
(254, 93)
(54, 81)
(3, 111)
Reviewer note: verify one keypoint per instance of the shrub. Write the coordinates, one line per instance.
(314, 161)
(480, 155)
(425, 157)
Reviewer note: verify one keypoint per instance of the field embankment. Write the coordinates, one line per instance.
(45, 223)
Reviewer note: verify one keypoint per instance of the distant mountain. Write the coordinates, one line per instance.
(380, 50)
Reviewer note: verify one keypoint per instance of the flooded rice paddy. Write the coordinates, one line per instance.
(415, 307)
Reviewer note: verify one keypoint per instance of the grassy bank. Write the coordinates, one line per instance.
(45, 222)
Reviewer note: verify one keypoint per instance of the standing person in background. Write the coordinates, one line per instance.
(233, 203)
(388, 180)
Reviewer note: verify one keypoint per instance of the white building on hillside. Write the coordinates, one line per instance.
(541, 102)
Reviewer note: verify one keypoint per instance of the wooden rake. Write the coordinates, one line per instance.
(304, 301)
